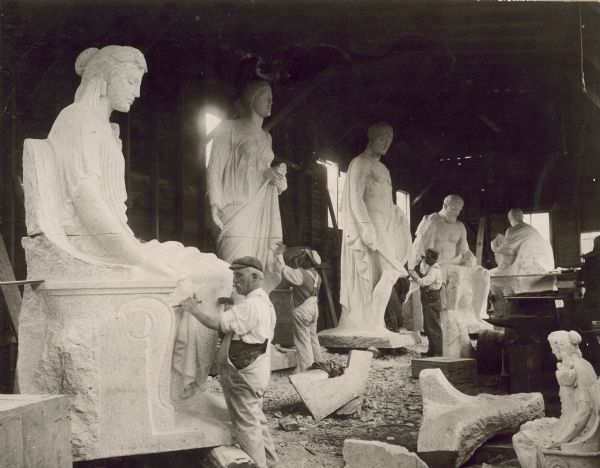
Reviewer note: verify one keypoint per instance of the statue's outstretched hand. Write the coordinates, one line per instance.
(214, 213)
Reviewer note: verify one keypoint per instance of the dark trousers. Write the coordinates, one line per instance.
(432, 321)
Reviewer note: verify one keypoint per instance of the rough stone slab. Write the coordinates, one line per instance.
(35, 431)
(351, 409)
(375, 454)
(356, 339)
(453, 421)
(456, 370)
(228, 456)
(283, 358)
(322, 396)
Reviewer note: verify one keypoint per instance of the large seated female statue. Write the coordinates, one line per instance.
(105, 326)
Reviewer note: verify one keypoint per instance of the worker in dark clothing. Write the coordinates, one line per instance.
(428, 276)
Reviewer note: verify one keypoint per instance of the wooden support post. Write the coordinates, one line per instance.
(480, 239)
(338, 236)
(179, 172)
(330, 304)
(12, 295)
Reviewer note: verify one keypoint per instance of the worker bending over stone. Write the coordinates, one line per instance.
(244, 360)
(304, 279)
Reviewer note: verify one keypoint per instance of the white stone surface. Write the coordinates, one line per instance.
(375, 454)
(103, 327)
(468, 285)
(376, 238)
(574, 438)
(455, 422)
(283, 358)
(243, 188)
(521, 250)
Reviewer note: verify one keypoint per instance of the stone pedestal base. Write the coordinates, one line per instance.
(557, 458)
(363, 339)
(109, 347)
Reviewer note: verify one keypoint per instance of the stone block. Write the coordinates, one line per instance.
(375, 454)
(228, 456)
(109, 345)
(456, 370)
(283, 358)
(353, 339)
(453, 421)
(322, 395)
(35, 431)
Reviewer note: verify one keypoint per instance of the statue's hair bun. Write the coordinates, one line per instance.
(574, 337)
(83, 59)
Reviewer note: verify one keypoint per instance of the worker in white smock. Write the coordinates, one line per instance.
(305, 282)
(244, 360)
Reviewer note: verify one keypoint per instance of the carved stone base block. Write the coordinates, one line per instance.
(375, 454)
(109, 346)
(455, 422)
(363, 339)
(456, 370)
(558, 459)
(283, 358)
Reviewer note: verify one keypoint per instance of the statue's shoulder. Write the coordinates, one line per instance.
(74, 116)
(360, 163)
(433, 218)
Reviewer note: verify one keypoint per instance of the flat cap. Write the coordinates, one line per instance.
(246, 262)
(432, 253)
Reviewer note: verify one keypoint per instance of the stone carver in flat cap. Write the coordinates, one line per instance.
(244, 359)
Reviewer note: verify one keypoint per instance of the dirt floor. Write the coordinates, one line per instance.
(391, 413)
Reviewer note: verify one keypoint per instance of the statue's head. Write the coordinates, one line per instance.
(257, 97)
(515, 216)
(380, 136)
(564, 343)
(453, 204)
(113, 72)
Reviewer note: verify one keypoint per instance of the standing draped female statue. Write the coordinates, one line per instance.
(91, 171)
(243, 188)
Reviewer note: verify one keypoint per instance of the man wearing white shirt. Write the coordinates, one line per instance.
(244, 360)
(428, 276)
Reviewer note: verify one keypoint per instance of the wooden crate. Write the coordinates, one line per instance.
(456, 370)
(35, 431)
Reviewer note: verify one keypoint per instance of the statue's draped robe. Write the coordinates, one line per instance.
(367, 204)
(522, 251)
(248, 202)
(580, 416)
(87, 147)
